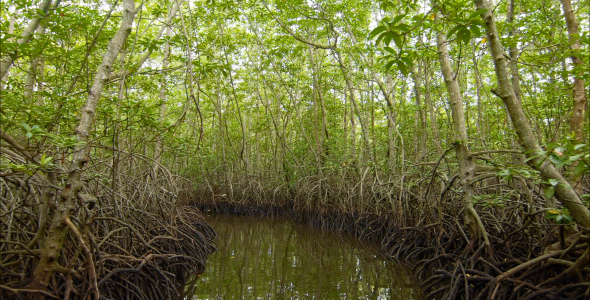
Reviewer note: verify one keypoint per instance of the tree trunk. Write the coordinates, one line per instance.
(67, 201)
(26, 36)
(11, 32)
(420, 116)
(391, 121)
(513, 52)
(354, 106)
(318, 134)
(33, 72)
(163, 98)
(580, 100)
(537, 160)
(480, 119)
(430, 105)
(466, 164)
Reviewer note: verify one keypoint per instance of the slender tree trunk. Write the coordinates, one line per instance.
(420, 116)
(354, 106)
(318, 134)
(564, 191)
(67, 201)
(466, 164)
(325, 132)
(33, 72)
(163, 99)
(430, 105)
(391, 121)
(481, 124)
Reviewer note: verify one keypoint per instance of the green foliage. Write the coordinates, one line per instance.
(261, 108)
(468, 27)
(561, 216)
(32, 131)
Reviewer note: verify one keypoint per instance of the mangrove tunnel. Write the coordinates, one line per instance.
(291, 149)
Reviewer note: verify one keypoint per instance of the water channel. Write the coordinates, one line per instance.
(260, 258)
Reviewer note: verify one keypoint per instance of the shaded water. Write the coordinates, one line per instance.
(278, 259)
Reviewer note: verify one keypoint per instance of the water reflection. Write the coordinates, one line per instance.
(277, 259)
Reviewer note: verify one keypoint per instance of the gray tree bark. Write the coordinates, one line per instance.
(564, 191)
(67, 201)
(466, 164)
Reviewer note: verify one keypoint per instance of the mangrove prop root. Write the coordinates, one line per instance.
(509, 263)
(138, 241)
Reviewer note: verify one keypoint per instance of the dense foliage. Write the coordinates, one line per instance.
(335, 105)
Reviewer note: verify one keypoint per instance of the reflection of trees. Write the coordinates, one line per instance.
(276, 259)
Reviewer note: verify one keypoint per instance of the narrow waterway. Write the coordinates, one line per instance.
(261, 258)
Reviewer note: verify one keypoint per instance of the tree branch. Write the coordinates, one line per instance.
(294, 35)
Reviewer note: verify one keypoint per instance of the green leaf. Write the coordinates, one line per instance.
(549, 192)
(549, 216)
(465, 35)
(580, 169)
(376, 31)
(389, 49)
(407, 60)
(397, 19)
(475, 30)
(398, 41)
(403, 27)
(402, 67)
(380, 38)
(553, 182)
(45, 160)
(559, 219)
(453, 30)
(479, 22)
(559, 149)
(388, 36)
(579, 146)
(477, 13)
(388, 65)
(557, 161)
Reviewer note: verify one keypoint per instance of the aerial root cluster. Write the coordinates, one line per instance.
(528, 256)
(136, 242)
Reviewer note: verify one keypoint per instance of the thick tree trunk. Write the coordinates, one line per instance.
(580, 100)
(564, 191)
(67, 201)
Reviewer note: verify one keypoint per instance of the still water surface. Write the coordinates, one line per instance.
(262, 258)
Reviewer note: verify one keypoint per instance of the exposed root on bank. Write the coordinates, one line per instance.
(527, 257)
(129, 239)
